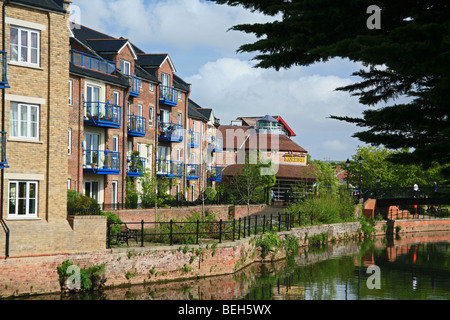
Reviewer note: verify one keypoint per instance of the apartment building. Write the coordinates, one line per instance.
(35, 73)
(272, 137)
(130, 113)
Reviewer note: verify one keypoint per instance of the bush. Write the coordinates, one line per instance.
(80, 204)
(323, 209)
(90, 279)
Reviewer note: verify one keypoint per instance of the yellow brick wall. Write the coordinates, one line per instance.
(46, 159)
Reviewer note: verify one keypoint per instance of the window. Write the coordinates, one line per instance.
(165, 79)
(117, 98)
(69, 142)
(68, 184)
(125, 67)
(23, 198)
(24, 121)
(180, 118)
(24, 45)
(179, 95)
(116, 143)
(151, 87)
(70, 92)
(150, 116)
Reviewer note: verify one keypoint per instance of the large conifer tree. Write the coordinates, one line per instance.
(408, 56)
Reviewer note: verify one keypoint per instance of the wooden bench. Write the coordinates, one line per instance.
(126, 233)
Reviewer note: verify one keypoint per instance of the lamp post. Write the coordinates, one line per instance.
(347, 164)
(360, 160)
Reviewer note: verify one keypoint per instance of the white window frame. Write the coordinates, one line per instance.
(70, 92)
(151, 87)
(116, 98)
(151, 112)
(69, 142)
(15, 214)
(18, 121)
(28, 47)
(124, 64)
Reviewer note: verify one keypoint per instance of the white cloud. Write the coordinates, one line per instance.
(235, 88)
(185, 24)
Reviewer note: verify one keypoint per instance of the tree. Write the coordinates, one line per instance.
(407, 57)
(250, 182)
(392, 175)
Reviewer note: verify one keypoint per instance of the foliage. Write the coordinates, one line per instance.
(251, 182)
(90, 279)
(376, 164)
(78, 202)
(406, 58)
(267, 243)
(113, 220)
(324, 208)
(153, 191)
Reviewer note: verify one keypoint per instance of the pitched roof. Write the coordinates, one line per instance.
(106, 45)
(252, 121)
(49, 5)
(193, 111)
(279, 142)
(154, 60)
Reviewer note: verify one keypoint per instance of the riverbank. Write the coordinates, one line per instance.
(130, 266)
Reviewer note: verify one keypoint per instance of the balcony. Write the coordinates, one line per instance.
(170, 132)
(3, 161)
(169, 169)
(102, 114)
(135, 166)
(215, 144)
(137, 126)
(3, 69)
(168, 95)
(94, 63)
(214, 173)
(101, 162)
(192, 172)
(136, 85)
(193, 139)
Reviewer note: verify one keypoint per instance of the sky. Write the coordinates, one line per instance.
(196, 35)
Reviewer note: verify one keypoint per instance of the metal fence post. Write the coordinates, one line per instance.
(171, 229)
(234, 228)
(264, 224)
(220, 231)
(256, 225)
(142, 233)
(239, 229)
(198, 224)
(279, 222)
(245, 219)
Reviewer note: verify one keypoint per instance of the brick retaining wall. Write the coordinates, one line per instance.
(38, 274)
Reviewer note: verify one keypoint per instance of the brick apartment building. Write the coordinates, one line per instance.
(130, 113)
(271, 135)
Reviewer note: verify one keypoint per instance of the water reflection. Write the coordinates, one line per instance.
(416, 267)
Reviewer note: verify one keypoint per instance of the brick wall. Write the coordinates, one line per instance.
(221, 212)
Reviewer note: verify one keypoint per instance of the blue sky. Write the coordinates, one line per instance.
(195, 34)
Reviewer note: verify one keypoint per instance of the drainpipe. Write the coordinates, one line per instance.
(2, 188)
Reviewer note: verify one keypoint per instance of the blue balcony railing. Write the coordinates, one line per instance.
(193, 139)
(169, 169)
(137, 126)
(102, 114)
(3, 160)
(135, 166)
(136, 85)
(170, 132)
(214, 173)
(88, 61)
(192, 172)
(101, 162)
(215, 144)
(3, 70)
(168, 95)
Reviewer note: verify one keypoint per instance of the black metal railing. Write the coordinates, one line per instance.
(194, 232)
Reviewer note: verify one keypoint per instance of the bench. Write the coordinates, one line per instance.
(126, 233)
